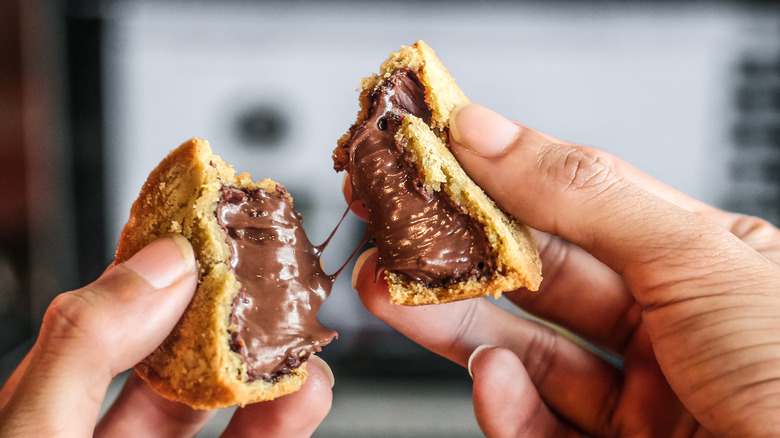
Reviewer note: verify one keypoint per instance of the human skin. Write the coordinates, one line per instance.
(686, 295)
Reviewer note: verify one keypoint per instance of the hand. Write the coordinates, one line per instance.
(92, 334)
(686, 295)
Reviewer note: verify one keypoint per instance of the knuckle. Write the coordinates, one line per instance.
(544, 343)
(607, 413)
(750, 225)
(457, 342)
(569, 167)
(70, 315)
(556, 256)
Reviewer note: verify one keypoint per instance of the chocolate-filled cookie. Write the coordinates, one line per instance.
(252, 322)
(439, 237)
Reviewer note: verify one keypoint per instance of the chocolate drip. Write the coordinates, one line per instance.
(419, 234)
(283, 285)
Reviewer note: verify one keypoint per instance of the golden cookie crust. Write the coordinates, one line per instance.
(195, 365)
(517, 258)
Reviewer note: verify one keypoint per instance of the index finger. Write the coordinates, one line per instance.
(574, 382)
(139, 408)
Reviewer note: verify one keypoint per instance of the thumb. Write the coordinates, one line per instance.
(90, 335)
(580, 194)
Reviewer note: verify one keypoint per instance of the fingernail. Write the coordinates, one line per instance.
(474, 354)
(359, 264)
(164, 261)
(481, 130)
(325, 367)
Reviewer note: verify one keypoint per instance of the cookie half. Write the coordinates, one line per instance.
(251, 325)
(439, 237)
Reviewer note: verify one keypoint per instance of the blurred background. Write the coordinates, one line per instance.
(93, 94)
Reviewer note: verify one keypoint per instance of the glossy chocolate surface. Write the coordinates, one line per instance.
(419, 234)
(283, 284)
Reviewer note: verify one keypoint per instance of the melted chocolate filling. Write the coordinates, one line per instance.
(421, 235)
(274, 318)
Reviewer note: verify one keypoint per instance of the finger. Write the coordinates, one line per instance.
(573, 382)
(139, 410)
(294, 415)
(576, 193)
(358, 207)
(473, 121)
(598, 306)
(509, 410)
(758, 233)
(90, 335)
(10, 385)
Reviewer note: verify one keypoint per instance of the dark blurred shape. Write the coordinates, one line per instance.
(14, 228)
(263, 126)
(755, 168)
(37, 255)
(83, 39)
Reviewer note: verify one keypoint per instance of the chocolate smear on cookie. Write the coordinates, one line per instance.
(421, 235)
(274, 317)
